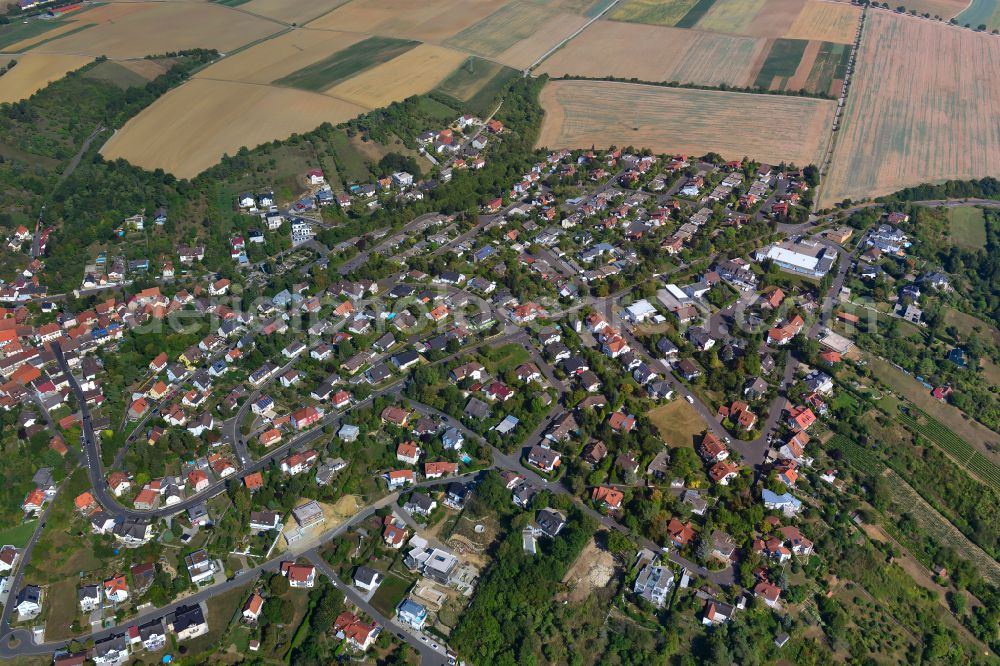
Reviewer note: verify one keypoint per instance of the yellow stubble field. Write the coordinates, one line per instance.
(826, 21)
(608, 48)
(35, 71)
(134, 30)
(291, 11)
(770, 128)
(428, 20)
(924, 107)
(191, 127)
(412, 73)
(280, 56)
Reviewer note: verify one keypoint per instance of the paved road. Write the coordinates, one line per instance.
(27, 648)
(429, 656)
(18, 575)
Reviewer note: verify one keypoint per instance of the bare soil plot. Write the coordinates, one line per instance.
(826, 21)
(191, 127)
(35, 71)
(731, 16)
(652, 12)
(593, 569)
(770, 128)
(678, 423)
(413, 73)
(428, 20)
(278, 57)
(925, 101)
(608, 49)
(291, 11)
(134, 30)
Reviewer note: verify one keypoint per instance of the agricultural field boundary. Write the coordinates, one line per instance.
(928, 518)
(956, 448)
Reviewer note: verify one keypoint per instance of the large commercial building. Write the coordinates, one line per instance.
(806, 257)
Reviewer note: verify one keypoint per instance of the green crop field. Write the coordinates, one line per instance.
(342, 65)
(781, 62)
(943, 531)
(968, 227)
(830, 65)
(961, 451)
(695, 14)
(861, 458)
(502, 29)
(476, 83)
(981, 12)
(653, 12)
(16, 31)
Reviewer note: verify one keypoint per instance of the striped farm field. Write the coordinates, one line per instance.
(35, 71)
(940, 528)
(413, 73)
(826, 22)
(957, 448)
(607, 49)
(925, 99)
(137, 29)
(518, 33)
(581, 114)
(652, 12)
(192, 126)
(281, 56)
(427, 20)
(863, 459)
(731, 16)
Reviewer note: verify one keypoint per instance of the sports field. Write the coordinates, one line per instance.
(413, 73)
(967, 227)
(191, 127)
(579, 114)
(928, 113)
(607, 49)
(281, 56)
(135, 30)
(35, 71)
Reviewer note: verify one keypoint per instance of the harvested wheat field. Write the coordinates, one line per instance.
(134, 30)
(770, 128)
(924, 107)
(413, 73)
(826, 21)
(608, 48)
(553, 31)
(278, 57)
(503, 29)
(428, 20)
(291, 11)
(35, 71)
(191, 127)
(731, 16)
